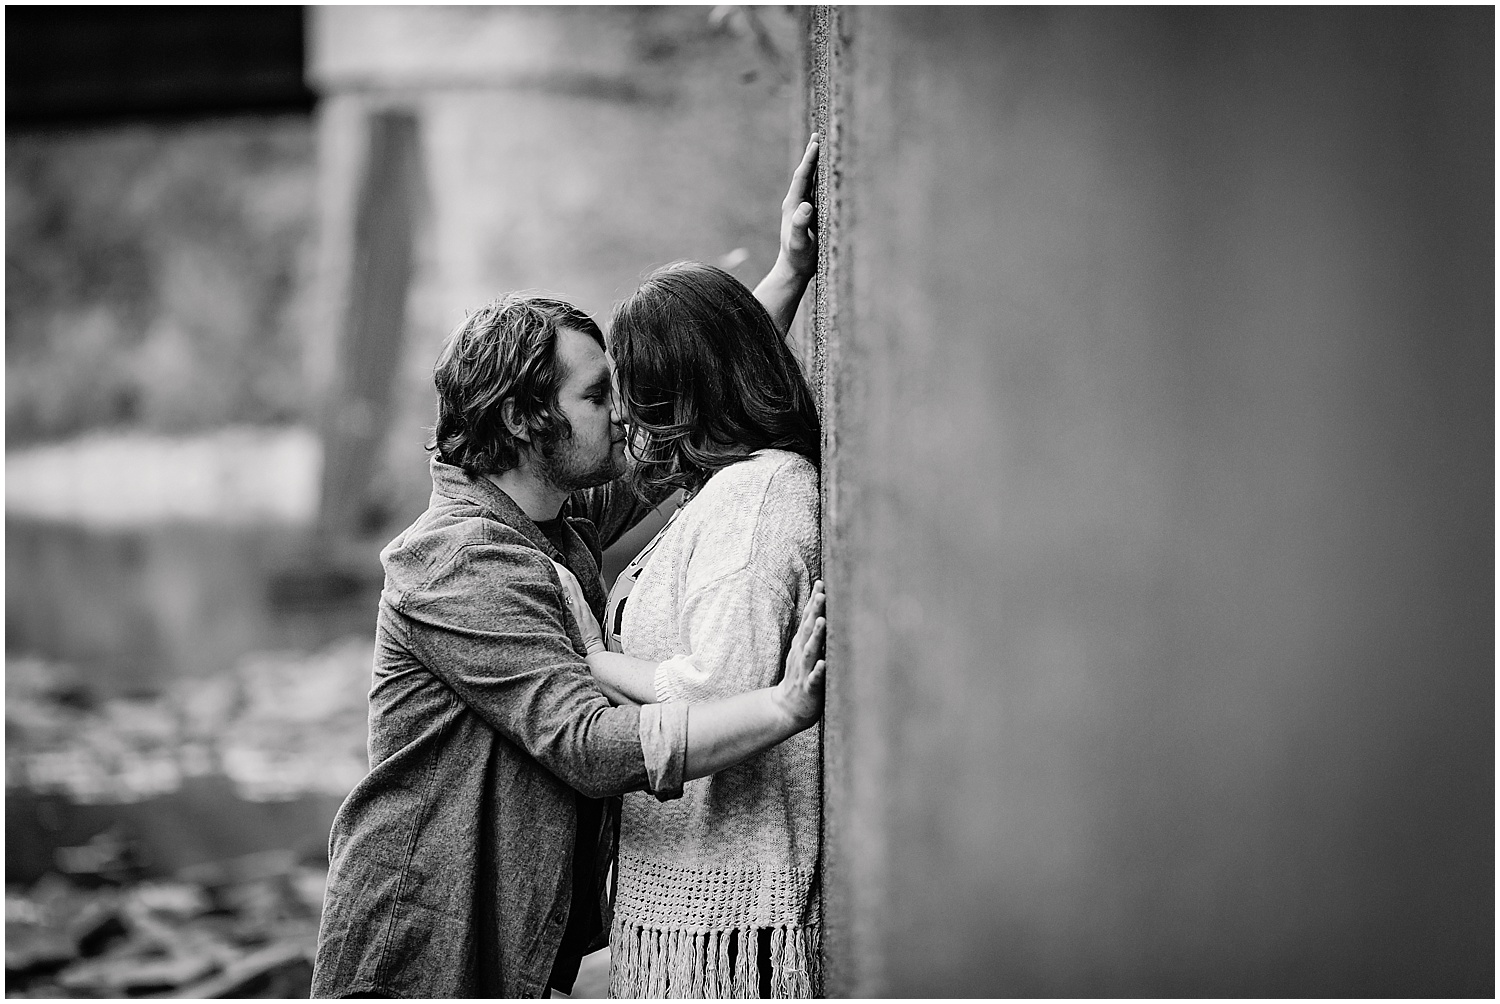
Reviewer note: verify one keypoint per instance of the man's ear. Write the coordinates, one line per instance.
(514, 425)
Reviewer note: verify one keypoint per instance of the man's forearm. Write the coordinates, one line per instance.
(722, 733)
(780, 292)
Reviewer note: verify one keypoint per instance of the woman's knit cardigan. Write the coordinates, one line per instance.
(716, 603)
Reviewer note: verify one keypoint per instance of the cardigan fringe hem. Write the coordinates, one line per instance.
(684, 963)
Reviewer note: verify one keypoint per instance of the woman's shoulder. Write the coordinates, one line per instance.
(767, 469)
(773, 483)
(760, 513)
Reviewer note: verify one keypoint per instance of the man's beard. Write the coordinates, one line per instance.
(563, 468)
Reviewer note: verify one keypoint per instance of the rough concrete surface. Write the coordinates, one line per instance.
(1160, 548)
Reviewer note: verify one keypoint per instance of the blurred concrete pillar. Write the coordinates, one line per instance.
(357, 413)
(1158, 356)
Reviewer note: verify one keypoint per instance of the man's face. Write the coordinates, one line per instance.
(595, 453)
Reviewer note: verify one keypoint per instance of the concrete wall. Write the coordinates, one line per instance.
(559, 148)
(1159, 361)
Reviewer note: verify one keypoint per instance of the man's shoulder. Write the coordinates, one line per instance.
(453, 536)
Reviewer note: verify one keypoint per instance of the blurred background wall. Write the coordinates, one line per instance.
(1159, 358)
(235, 238)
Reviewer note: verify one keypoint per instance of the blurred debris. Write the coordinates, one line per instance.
(31, 944)
(152, 971)
(109, 856)
(245, 927)
(281, 725)
(180, 899)
(283, 971)
(98, 926)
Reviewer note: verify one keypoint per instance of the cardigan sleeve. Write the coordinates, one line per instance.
(735, 632)
(751, 559)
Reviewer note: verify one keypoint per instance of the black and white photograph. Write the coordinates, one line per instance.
(755, 501)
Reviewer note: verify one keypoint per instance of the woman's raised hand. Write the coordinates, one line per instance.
(800, 692)
(799, 239)
(797, 262)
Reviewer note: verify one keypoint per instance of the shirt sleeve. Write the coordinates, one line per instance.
(490, 624)
(664, 745)
(614, 508)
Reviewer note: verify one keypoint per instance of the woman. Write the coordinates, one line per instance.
(717, 892)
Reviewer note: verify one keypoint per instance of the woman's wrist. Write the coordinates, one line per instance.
(789, 274)
(780, 292)
(793, 709)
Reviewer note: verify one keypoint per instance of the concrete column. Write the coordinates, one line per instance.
(357, 413)
(1157, 355)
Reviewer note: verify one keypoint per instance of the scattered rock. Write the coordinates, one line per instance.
(31, 948)
(109, 855)
(136, 974)
(282, 725)
(99, 925)
(282, 970)
(174, 899)
(245, 927)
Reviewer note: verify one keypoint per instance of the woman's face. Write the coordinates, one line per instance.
(637, 438)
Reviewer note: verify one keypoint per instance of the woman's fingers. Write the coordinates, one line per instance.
(807, 643)
(813, 646)
(804, 627)
(815, 640)
(813, 609)
(798, 189)
(802, 236)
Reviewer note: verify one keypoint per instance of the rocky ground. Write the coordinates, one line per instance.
(280, 725)
(239, 928)
(106, 921)
(246, 927)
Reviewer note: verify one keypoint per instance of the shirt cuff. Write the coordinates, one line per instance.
(664, 747)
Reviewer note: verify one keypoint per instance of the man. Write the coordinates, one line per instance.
(471, 860)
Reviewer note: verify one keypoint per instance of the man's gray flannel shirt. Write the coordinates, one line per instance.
(450, 868)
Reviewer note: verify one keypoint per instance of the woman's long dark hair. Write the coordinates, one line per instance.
(705, 379)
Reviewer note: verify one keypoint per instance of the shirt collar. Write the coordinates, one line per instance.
(456, 483)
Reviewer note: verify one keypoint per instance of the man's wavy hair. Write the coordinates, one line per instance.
(506, 349)
(705, 379)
